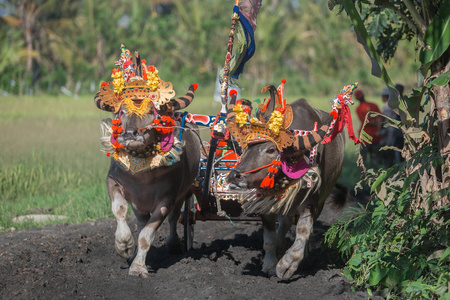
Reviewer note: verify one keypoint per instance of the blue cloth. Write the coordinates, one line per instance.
(249, 35)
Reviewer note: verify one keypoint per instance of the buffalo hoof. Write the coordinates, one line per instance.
(286, 267)
(138, 271)
(174, 246)
(270, 272)
(125, 248)
(269, 265)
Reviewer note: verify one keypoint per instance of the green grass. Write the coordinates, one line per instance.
(50, 157)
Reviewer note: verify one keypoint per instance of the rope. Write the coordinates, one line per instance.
(257, 169)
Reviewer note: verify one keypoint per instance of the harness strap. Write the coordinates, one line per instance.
(257, 169)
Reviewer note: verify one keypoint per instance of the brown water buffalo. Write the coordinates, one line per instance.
(307, 202)
(152, 165)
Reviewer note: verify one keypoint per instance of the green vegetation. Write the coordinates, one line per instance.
(399, 244)
(63, 43)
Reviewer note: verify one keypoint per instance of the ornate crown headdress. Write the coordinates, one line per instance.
(133, 82)
(266, 126)
(271, 123)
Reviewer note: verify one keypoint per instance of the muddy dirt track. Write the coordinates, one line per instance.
(79, 262)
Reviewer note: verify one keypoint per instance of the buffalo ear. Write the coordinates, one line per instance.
(106, 99)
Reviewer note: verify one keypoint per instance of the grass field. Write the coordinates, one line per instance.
(50, 158)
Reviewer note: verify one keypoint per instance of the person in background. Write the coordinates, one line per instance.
(391, 136)
(369, 152)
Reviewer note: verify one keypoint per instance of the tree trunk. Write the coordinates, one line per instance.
(441, 95)
(28, 12)
(100, 57)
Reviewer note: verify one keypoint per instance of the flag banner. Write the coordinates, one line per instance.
(244, 40)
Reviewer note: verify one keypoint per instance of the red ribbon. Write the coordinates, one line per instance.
(344, 117)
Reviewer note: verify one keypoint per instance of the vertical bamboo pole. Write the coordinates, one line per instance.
(226, 69)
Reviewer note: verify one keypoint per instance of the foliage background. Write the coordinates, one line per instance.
(74, 44)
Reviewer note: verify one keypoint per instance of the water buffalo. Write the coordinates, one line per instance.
(261, 150)
(152, 166)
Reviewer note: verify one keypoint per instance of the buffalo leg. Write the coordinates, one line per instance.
(269, 244)
(124, 242)
(173, 241)
(284, 224)
(145, 240)
(288, 264)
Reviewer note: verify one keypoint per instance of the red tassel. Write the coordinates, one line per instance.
(334, 114)
(273, 170)
(271, 182)
(268, 182)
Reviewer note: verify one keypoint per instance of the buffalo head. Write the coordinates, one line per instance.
(135, 132)
(269, 142)
(142, 104)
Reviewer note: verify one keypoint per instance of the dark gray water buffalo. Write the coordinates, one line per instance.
(307, 195)
(153, 164)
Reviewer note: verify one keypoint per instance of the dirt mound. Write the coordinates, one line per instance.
(79, 261)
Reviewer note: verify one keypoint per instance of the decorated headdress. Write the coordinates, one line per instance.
(139, 84)
(271, 123)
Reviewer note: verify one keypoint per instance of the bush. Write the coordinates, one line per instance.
(398, 244)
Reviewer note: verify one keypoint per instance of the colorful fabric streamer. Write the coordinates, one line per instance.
(247, 11)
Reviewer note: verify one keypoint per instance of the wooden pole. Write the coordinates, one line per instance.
(226, 69)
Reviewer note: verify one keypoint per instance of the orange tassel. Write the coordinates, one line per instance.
(265, 182)
(271, 182)
(334, 114)
(273, 170)
(268, 182)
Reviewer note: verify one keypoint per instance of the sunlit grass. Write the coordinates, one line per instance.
(50, 156)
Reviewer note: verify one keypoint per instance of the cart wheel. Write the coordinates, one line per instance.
(188, 223)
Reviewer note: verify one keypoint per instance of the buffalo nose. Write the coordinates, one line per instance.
(236, 175)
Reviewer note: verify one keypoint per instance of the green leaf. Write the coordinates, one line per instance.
(377, 274)
(442, 80)
(444, 256)
(416, 286)
(364, 136)
(394, 278)
(377, 25)
(380, 179)
(356, 260)
(379, 211)
(437, 36)
(347, 273)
